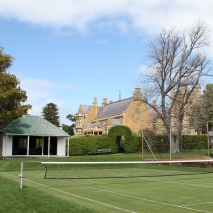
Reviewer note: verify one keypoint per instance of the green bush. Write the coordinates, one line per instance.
(83, 145)
(104, 142)
(120, 130)
(88, 145)
(133, 145)
(194, 142)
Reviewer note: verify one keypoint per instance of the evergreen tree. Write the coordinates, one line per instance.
(203, 110)
(68, 129)
(12, 96)
(50, 113)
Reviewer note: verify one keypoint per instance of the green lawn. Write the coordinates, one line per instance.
(30, 199)
(176, 194)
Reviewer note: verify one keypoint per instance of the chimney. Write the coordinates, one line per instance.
(104, 102)
(198, 88)
(111, 102)
(95, 102)
(137, 94)
(154, 103)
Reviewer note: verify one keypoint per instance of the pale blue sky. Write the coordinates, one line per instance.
(70, 51)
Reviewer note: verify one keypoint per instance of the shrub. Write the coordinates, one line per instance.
(104, 142)
(120, 130)
(160, 143)
(83, 145)
(194, 142)
(133, 145)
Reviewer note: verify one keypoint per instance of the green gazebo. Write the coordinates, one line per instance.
(32, 136)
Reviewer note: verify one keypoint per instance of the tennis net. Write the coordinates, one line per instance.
(125, 169)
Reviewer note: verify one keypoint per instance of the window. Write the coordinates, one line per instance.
(22, 143)
(138, 111)
(39, 142)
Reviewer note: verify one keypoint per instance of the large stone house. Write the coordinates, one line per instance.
(176, 98)
(97, 120)
(132, 112)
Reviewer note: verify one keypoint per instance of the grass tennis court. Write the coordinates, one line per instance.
(178, 193)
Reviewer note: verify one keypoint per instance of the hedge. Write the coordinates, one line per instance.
(194, 142)
(120, 130)
(88, 145)
(133, 145)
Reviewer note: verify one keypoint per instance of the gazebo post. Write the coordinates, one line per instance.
(28, 144)
(5, 147)
(42, 149)
(49, 146)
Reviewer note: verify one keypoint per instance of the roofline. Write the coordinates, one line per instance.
(118, 101)
(120, 114)
(35, 135)
(111, 116)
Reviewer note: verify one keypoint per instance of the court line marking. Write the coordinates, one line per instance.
(183, 183)
(74, 195)
(158, 202)
(167, 181)
(197, 204)
(130, 196)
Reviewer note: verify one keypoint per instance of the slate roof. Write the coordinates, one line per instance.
(86, 108)
(33, 125)
(114, 108)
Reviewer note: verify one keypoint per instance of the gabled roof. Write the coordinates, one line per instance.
(33, 125)
(115, 108)
(86, 108)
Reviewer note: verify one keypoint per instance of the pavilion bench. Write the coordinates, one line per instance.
(104, 151)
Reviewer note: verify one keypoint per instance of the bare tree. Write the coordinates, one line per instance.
(176, 62)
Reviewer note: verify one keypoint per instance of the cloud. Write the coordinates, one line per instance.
(41, 88)
(35, 82)
(124, 15)
(41, 91)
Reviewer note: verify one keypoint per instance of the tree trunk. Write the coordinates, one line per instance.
(174, 145)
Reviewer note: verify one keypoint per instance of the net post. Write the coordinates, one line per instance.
(45, 169)
(21, 175)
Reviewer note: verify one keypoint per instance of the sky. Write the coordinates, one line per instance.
(69, 51)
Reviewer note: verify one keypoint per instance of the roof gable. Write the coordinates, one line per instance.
(86, 108)
(33, 125)
(114, 108)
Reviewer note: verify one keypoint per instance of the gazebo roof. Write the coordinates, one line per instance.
(33, 125)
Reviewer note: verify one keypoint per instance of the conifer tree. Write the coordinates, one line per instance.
(50, 113)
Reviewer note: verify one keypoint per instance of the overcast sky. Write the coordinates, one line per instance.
(70, 51)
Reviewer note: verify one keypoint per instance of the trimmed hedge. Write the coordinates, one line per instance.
(83, 146)
(88, 145)
(120, 130)
(133, 145)
(194, 142)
